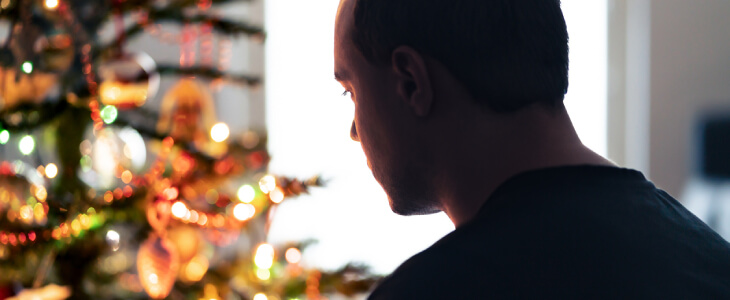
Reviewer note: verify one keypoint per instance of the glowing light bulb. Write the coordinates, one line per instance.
(220, 132)
(112, 236)
(179, 210)
(4, 136)
(264, 257)
(51, 4)
(51, 170)
(263, 274)
(127, 176)
(293, 255)
(26, 145)
(243, 212)
(109, 114)
(27, 67)
(246, 193)
(267, 183)
(277, 195)
(260, 296)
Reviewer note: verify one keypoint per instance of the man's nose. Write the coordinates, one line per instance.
(353, 132)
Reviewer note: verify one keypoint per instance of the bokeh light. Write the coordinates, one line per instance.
(179, 210)
(220, 132)
(27, 67)
(51, 170)
(112, 237)
(243, 211)
(293, 255)
(264, 257)
(51, 4)
(246, 193)
(267, 184)
(4, 136)
(260, 296)
(26, 145)
(263, 274)
(277, 195)
(109, 114)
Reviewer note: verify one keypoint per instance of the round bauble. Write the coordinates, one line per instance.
(157, 266)
(128, 81)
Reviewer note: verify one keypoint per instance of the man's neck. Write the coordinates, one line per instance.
(532, 139)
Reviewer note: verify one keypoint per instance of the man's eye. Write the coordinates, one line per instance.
(345, 93)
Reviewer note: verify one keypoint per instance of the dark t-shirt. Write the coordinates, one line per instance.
(579, 232)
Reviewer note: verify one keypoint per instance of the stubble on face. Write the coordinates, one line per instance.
(395, 157)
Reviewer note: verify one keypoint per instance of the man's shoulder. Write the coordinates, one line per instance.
(602, 237)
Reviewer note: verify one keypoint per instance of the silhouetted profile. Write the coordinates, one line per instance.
(459, 108)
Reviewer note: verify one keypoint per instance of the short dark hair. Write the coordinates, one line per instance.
(507, 53)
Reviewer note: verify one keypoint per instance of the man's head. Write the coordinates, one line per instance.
(409, 65)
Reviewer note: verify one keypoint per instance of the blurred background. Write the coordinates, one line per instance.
(251, 84)
(645, 78)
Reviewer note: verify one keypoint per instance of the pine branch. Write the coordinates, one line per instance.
(208, 72)
(134, 5)
(219, 25)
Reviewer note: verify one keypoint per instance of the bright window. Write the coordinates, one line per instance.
(309, 123)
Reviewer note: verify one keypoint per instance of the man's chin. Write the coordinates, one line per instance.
(410, 208)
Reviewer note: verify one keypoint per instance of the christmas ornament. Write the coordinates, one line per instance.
(188, 115)
(108, 154)
(128, 81)
(157, 265)
(195, 269)
(22, 194)
(157, 259)
(32, 88)
(33, 63)
(186, 240)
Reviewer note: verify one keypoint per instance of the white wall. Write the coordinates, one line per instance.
(690, 73)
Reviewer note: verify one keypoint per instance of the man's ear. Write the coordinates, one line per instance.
(413, 82)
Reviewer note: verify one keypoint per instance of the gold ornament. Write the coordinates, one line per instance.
(188, 115)
(186, 240)
(157, 265)
(109, 152)
(17, 87)
(128, 81)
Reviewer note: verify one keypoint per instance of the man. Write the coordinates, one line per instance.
(458, 107)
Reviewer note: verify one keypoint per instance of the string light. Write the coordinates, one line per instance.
(277, 195)
(243, 212)
(267, 184)
(179, 210)
(293, 255)
(51, 4)
(260, 296)
(109, 114)
(264, 257)
(112, 237)
(4, 136)
(127, 176)
(51, 170)
(246, 193)
(27, 67)
(220, 132)
(26, 145)
(263, 274)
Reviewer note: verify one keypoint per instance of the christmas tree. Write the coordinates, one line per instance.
(111, 190)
